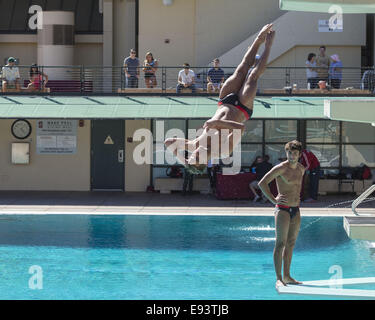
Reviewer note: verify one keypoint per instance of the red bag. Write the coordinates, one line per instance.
(366, 172)
(174, 172)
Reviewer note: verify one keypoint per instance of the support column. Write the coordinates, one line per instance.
(55, 41)
(107, 32)
(107, 44)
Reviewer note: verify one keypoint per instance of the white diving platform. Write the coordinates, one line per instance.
(360, 228)
(358, 110)
(316, 288)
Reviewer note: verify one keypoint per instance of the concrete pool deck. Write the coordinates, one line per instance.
(51, 202)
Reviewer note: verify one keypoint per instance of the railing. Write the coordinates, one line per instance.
(112, 80)
(361, 198)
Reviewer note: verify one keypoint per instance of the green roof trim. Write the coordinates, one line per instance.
(141, 107)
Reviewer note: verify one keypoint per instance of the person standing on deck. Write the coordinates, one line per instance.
(288, 175)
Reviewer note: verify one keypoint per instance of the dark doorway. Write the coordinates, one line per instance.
(107, 155)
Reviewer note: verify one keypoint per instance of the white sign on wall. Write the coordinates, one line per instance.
(56, 136)
(326, 26)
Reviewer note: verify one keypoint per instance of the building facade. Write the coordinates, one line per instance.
(175, 32)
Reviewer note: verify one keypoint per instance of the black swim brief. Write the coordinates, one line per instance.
(292, 210)
(233, 99)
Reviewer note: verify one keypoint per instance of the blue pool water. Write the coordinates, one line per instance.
(166, 257)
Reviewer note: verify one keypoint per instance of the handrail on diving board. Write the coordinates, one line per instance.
(362, 197)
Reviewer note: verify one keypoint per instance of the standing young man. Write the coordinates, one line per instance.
(288, 175)
(131, 69)
(322, 63)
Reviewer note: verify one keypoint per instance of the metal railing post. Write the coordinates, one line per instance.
(122, 86)
(287, 77)
(82, 79)
(41, 89)
(163, 80)
(204, 80)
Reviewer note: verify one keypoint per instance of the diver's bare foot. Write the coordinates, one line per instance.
(263, 33)
(290, 280)
(280, 283)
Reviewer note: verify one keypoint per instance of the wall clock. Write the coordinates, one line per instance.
(21, 129)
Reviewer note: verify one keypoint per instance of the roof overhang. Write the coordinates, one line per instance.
(141, 107)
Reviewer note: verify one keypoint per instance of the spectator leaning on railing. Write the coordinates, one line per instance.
(322, 62)
(131, 69)
(311, 74)
(215, 77)
(186, 79)
(150, 66)
(335, 72)
(11, 76)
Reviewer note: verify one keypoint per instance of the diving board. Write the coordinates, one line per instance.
(335, 282)
(347, 6)
(316, 288)
(360, 228)
(361, 110)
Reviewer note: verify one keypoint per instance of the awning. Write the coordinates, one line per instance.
(141, 107)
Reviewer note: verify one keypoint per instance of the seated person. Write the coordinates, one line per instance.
(234, 108)
(36, 79)
(261, 168)
(186, 79)
(11, 76)
(215, 77)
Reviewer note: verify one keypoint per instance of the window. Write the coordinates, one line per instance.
(63, 35)
(354, 132)
(355, 147)
(275, 151)
(166, 124)
(280, 130)
(328, 155)
(356, 155)
(249, 152)
(322, 131)
(253, 131)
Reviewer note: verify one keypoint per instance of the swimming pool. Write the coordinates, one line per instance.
(166, 257)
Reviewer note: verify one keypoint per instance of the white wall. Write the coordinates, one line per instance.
(124, 30)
